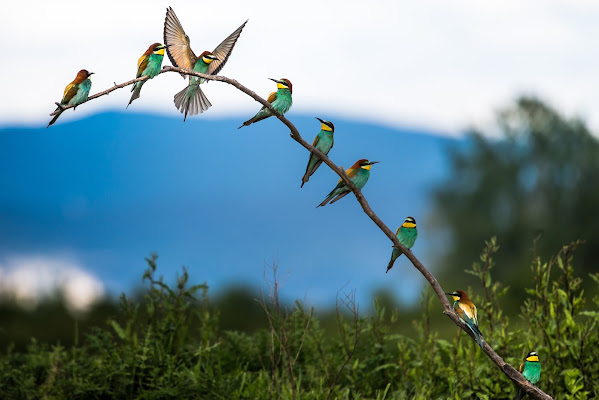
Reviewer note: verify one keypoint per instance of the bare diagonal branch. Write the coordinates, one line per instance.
(506, 368)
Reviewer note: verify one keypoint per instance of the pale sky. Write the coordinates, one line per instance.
(434, 64)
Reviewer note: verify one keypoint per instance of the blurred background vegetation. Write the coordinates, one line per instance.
(532, 181)
(171, 342)
(529, 183)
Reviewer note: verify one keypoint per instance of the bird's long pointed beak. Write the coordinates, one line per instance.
(373, 162)
(274, 80)
(449, 294)
(91, 73)
(321, 121)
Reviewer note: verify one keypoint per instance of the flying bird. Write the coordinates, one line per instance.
(406, 234)
(192, 99)
(148, 64)
(323, 142)
(531, 370)
(357, 173)
(466, 311)
(75, 93)
(280, 100)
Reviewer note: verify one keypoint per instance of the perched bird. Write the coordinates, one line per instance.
(192, 100)
(75, 93)
(323, 142)
(148, 64)
(357, 173)
(280, 100)
(466, 310)
(406, 234)
(531, 369)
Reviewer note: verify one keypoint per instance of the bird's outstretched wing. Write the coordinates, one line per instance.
(69, 92)
(224, 50)
(177, 42)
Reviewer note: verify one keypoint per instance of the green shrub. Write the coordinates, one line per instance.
(168, 345)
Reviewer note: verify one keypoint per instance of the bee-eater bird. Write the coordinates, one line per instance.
(280, 101)
(192, 100)
(357, 173)
(531, 369)
(75, 93)
(148, 64)
(406, 234)
(466, 311)
(323, 142)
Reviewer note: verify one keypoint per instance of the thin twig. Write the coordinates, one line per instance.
(303, 338)
(350, 304)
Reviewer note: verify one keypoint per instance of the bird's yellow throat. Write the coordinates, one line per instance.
(408, 225)
(455, 298)
(159, 52)
(207, 60)
(366, 167)
(325, 127)
(533, 358)
(281, 86)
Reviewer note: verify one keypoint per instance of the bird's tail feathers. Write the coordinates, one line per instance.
(136, 92)
(192, 101)
(181, 101)
(54, 119)
(520, 395)
(326, 200)
(324, 203)
(333, 197)
(390, 265)
(310, 171)
(262, 114)
(340, 196)
(477, 335)
(203, 100)
(246, 123)
(305, 178)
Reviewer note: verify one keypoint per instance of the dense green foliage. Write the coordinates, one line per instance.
(169, 345)
(533, 175)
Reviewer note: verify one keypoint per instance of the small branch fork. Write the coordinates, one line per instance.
(507, 369)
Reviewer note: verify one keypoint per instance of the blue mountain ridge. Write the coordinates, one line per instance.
(114, 187)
